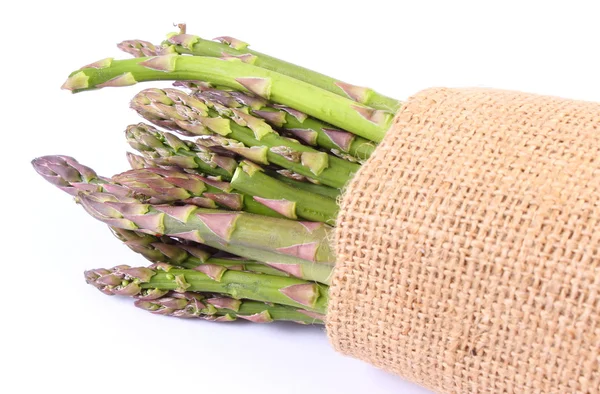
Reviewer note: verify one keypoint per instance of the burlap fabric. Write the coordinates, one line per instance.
(468, 246)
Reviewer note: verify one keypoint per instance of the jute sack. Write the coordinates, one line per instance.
(469, 246)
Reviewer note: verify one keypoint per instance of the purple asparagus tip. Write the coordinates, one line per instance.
(120, 280)
(66, 173)
(137, 48)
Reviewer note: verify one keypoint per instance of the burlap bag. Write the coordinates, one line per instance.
(468, 246)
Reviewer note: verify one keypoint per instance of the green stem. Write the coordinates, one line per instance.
(319, 103)
(285, 199)
(236, 284)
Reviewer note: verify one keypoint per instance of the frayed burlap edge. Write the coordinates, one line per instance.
(468, 246)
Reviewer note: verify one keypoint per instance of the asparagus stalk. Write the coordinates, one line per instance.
(70, 176)
(299, 248)
(258, 142)
(319, 103)
(170, 186)
(124, 280)
(228, 47)
(153, 185)
(283, 198)
(187, 254)
(219, 308)
(167, 150)
(309, 130)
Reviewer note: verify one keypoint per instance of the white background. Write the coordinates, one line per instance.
(58, 334)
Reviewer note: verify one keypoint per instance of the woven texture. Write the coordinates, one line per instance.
(468, 246)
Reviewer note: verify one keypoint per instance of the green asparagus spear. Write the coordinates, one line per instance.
(219, 308)
(124, 280)
(344, 113)
(187, 254)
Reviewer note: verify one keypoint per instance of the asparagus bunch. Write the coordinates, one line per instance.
(240, 133)
(166, 150)
(236, 222)
(289, 200)
(298, 248)
(289, 121)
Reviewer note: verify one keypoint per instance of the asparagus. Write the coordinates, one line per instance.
(73, 177)
(124, 280)
(299, 248)
(309, 130)
(258, 142)
(153, 185)
(163, 185)
(167, 150)
(228, 48)
(283, 198)
(186, 254)
(218, 308)
(319, 103)
(138, 48)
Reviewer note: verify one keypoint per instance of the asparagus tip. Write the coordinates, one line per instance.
(77, 81)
